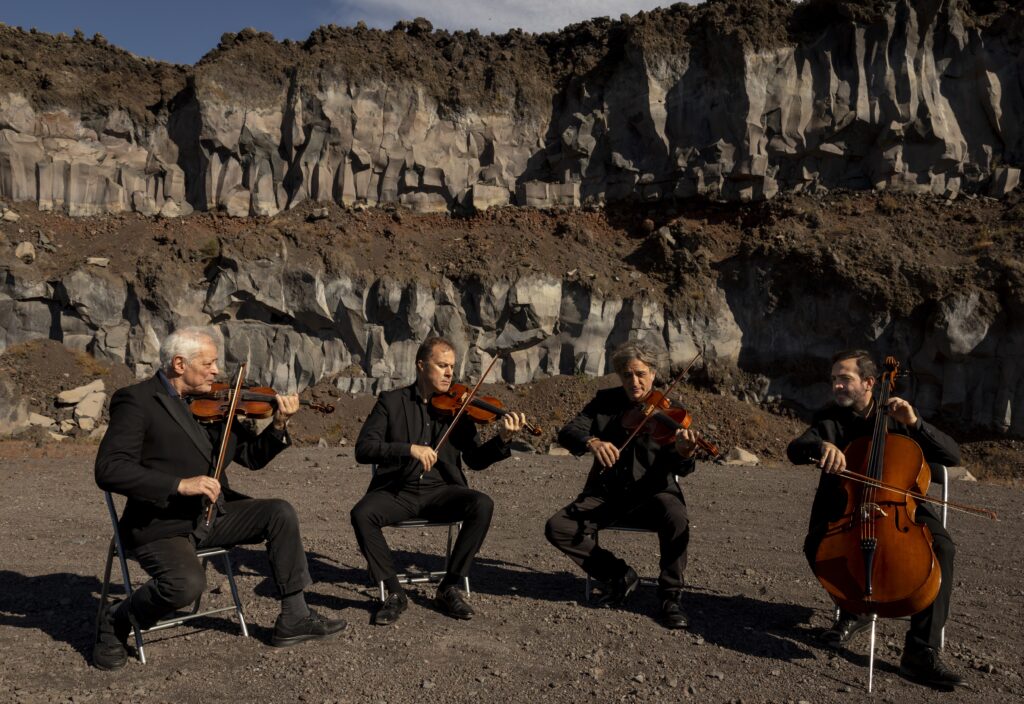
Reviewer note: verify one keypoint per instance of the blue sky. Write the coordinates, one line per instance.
(182, 31)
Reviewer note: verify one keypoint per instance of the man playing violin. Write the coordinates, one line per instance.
(635, 487)
(413, 480)
(852, 416)
(161, 458)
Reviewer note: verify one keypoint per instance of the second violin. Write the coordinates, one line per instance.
(482, 409)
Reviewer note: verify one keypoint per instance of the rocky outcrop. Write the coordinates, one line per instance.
(725, 100)
(766, 319)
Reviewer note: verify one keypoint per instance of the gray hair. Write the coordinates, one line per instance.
(185, 342)
(642, 352)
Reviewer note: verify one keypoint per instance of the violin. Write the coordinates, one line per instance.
(253, 402)
(481, 409)
(658, 418)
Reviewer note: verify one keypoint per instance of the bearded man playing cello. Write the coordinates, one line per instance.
(852, 416)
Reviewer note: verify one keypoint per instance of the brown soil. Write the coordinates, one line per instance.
(757, 612)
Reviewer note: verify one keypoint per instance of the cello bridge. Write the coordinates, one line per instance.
(868, 511)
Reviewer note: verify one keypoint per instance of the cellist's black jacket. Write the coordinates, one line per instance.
(643, 466)
(841, 426)
(153, 443)
(386, 438)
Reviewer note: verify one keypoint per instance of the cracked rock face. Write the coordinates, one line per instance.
(769, 311)
(722, 101)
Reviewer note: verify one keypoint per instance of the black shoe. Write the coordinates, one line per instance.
(391, 609)
(672, 614)
(845, 629)
(449, 599)
(312, 627)
(925, 667)
(620, 589)
(110, 651)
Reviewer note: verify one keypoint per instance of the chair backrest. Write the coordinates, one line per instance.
(940, 476)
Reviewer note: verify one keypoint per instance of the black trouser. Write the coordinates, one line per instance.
(437, 502)
(572, 529)
(925, 626)
(178, 576)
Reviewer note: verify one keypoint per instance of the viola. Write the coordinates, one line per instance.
(254, 402)
(481, 409)
(659, 419)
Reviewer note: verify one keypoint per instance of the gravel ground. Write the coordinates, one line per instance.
(757, 612)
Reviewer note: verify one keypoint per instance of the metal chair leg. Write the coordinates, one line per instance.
(588, 588)
(234, 595)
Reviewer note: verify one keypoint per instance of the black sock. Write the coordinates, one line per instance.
(393, 586)
(450, 580)
(293, 607)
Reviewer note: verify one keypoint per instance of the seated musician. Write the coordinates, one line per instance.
(833, 429)
(161, 458)
(635, 487)
(412, 480)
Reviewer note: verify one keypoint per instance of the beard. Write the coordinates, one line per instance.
(843, 400)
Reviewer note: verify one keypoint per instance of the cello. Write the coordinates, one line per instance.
(876, 559)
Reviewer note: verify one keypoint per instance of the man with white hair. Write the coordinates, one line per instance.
(161, 458)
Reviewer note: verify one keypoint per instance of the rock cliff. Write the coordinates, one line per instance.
(730, 99)
(761, 108)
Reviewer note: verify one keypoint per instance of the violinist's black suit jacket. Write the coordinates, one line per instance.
(152, 443)
(386, 437)
(643, 467)
(399, 488)
(639, 490)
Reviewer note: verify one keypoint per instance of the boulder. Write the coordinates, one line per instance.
(144, 204)
(483, 196)
(26, 252)
(72, 397)
(170, 209)
(739, 456)
(40, 420)
(90, 409)
(961, 474)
